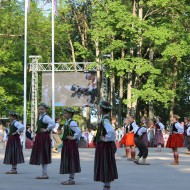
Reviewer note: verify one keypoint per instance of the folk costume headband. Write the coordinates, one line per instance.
(43, 105)
(105, 105)
(70, 110)
(13, 113)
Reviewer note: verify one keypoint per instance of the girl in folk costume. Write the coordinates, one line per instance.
(128, 140)
(105, 169)
(70, 162)
(175, 139)
(138, 134)
(188, 136)
(41, 150)
(159, 140)
(13, 152)
(151, 133)
(56, 137)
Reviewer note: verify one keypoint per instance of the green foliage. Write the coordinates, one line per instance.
(163, 30)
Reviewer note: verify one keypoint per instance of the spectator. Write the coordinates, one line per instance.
(56, 137)
(29, 134)
(151, 133)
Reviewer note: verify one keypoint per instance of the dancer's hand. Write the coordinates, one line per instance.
(43, 130)
(102, 138)
(70, 137)
(15, 133)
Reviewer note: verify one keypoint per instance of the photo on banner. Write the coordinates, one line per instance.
(71, 88)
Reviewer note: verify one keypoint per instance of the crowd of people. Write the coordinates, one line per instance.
(104, 142)
(106, 139)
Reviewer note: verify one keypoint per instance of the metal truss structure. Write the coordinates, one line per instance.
(35, 67)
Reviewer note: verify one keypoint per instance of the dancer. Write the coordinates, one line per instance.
(159, 140)
(128, 140)
(70, 162)
(186, 137)
(143, 124)
(13, 152)
(175, 139)
(151, 133)
(138, 133)
(105, 169)
(41, 150)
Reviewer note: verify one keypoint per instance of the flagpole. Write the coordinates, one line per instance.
(53, 60)
(25, 73)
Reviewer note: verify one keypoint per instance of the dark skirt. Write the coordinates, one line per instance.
(175, 141)
(70, 162)
(13, 152)
(105, 169)
(41, 150)
(158, 139)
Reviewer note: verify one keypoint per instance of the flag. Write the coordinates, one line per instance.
(28, 5)
(55, 7)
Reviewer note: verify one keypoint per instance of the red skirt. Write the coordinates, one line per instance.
(128, 139)
(175, 141)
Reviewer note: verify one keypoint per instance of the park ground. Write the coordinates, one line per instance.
(160, 175)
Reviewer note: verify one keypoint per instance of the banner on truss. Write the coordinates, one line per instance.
(71, 88)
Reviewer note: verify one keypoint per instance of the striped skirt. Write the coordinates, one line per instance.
(158, 139)
(175, 141)
(105, 169)
(41, 150)
(13, 152)
(70, 162)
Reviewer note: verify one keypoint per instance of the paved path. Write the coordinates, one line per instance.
(157, 176)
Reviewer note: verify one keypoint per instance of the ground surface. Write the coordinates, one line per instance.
(157, 176)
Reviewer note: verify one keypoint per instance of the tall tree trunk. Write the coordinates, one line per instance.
(174, 87)
(120, 101)
(72, 52)
(129, 77)
(87, 117)
(135, 5)
(112, 89)
(98, 72)
(151, 108)
(72, 47)
(129, 93)
(121, 94)
(82, 24)
(139, 52)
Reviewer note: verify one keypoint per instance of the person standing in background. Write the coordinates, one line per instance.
(105, 169)
(13, 152)
(151, 133)
(41, 150)
(187, 135)
(56, 137)
(70, 161)
(158, 140)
